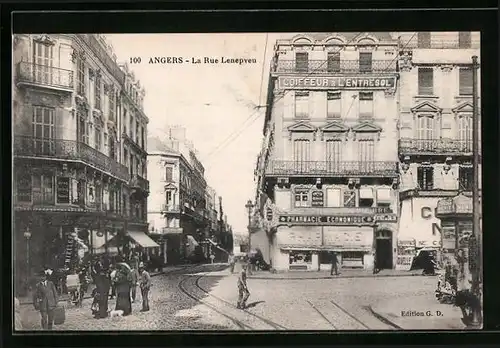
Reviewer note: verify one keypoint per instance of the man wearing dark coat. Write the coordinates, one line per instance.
(45, 300)
(335, 263)
(103, 284)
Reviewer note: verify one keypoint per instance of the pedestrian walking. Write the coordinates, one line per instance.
(113, 282)
(375, 263)
(135, 283)
(335, 262)
(232, 262)
(103, 283)
(123, 281)
(45, 300)
(243, 293)
(145, 285)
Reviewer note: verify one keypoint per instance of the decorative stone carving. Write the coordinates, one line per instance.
(91, 73)
(446, 68)
(405, 60)
(44, 39)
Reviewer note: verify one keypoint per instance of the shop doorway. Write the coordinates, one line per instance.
(383, 249)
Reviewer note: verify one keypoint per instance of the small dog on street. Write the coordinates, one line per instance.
(115, 313)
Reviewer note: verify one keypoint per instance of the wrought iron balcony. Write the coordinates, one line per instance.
(446, 207)
(170, 208)
(338, 67)
(435, 146)
(69, 150)
(138, 181)
(129, 140)
(326, 168)
(44, 75)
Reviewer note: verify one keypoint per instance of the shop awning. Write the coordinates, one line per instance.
(366, 193)
(384, 195)
(143, 240)
(191, 240)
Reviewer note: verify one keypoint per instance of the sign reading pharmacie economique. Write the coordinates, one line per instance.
(336, 82)
(336, 219)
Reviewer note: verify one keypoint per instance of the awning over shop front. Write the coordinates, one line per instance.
(366, 193)
(143, 239)
(384, 195)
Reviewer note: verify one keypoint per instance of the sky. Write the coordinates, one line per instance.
(212, 101)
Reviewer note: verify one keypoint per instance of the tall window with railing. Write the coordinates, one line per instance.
(302, 61)
(365, 61)
(80, 83)
(43, 62)
(333, 154)
(465, 81)
(465, 132)
(424, 39)
(301, 104)
(301, 154)
(366, 154)
(97, 91)
(365, 105)
(425, 132)
(464, 39)
(425, 177)
(43, 130)
(333, 62)
(466, 177)
(334, 104)
(425, 81)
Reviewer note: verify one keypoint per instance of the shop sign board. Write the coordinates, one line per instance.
(300, 237)
(358, 238)
(317, 199)
(336, 219)
(337, 82)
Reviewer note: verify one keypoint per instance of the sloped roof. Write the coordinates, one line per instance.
(155, 144)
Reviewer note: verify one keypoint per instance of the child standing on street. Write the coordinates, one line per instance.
(243, 293)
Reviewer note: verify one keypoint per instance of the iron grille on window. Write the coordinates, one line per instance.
(464, 39)
(425, 178)
(466, 178)
(424, 39)
(365, 61)
(301, 61)
(333, 62)
(465, 81)
(425, 81)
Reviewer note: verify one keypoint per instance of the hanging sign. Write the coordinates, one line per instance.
(317, 199)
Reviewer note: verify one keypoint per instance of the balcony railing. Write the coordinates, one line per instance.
(325, 168)
(435, 146)
(44, 75)
(170, 208)
(138, 181)
(344, 66)
(70, 150)
(437, 43)
(448, 207)
(135, 143)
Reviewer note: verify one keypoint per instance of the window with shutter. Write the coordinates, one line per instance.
(425, 81)
(43, 189)
(365, 105)
(464, 39)
(425, 132)
(366, 155)
(334, 104)
(301, 155)
(43, 60)
(465, 132)
(365, 61)
(98, 135)
(301, 104)
(302, 61)
(466, 177)
(333, 154)
(424, 39)
(465, 81)
(333, 62)
(97, 91)
(81, 77)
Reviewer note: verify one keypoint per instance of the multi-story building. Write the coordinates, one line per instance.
(69, 176)
(177, 213)
(435, 147)
(328, 173)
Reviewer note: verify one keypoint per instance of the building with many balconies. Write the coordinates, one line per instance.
(436, 127)
(328, 171)
(70, 181)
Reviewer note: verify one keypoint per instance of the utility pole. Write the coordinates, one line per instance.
(476, 223)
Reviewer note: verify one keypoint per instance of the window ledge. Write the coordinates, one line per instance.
(420, 96)
(464, 96)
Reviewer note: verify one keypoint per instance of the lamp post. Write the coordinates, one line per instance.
(27, 235)
(249, 207)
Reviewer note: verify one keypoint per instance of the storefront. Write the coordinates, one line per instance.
(406, 250)
(307, 242)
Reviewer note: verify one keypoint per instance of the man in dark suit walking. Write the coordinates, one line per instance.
(335, 262)
(45, 300)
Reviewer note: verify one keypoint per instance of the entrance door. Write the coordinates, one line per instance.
(383, 249)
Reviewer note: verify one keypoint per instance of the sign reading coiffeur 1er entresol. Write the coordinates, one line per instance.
(336, 82)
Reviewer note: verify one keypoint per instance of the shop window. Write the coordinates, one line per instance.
(424, 39)
(43, 189)
(63, 190)
(352, 257)
(425, 81)
(24, 182)
(333, 62)
(301, 61)
(302, 199)
(325, 257)
(333, 198)
(465, 81)
(466, 178)
(366, 197)
(301, 104)
(425, 178)
(300, 257)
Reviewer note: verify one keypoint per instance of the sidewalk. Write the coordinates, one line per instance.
(422, 312)
(28, 300)
(344, 273)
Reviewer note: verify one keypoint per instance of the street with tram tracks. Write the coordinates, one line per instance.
(204, 297)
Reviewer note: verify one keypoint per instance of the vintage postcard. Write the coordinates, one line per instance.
(253, 181)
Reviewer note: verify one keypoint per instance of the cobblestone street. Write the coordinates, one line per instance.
(204, 298)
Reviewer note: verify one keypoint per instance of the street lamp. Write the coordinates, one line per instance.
(249, 207)
(27, 235)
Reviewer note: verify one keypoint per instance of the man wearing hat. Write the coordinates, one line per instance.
(145, 285)
(45, 300)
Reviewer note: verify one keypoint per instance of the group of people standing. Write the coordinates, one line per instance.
(121, 279)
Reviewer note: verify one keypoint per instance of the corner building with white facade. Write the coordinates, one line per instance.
(328, 171)
(436, 128)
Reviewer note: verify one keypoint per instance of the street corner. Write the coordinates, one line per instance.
(418, 313)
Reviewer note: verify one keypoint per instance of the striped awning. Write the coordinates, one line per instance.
(143, 239)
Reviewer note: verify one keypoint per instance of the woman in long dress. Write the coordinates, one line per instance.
(123, 287)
